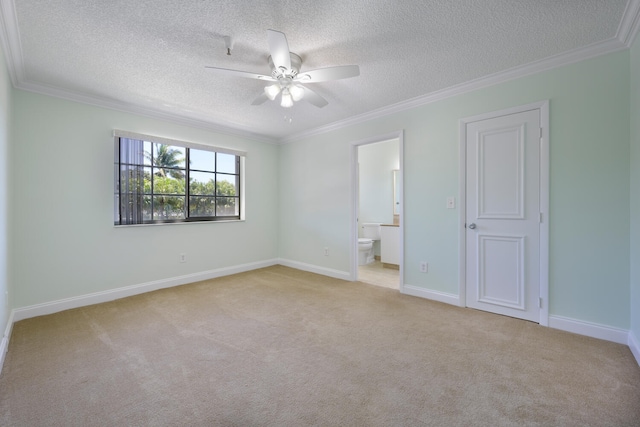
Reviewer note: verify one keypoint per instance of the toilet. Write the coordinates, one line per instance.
(365, 251)
(370, 233)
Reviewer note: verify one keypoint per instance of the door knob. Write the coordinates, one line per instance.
(472, 226)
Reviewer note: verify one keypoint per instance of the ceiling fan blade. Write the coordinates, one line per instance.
(242, 74)
(313, 98)
(279, 49)
(330, 73)
(261, 99)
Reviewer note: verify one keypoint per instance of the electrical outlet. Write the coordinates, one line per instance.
(183, 257)
(424, 267)
(326, 251)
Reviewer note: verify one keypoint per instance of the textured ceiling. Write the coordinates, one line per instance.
(150, 55)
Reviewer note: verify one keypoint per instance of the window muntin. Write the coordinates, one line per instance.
(151, 183)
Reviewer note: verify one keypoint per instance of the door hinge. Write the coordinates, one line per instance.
(540, 218)
(539, 302)
(540, 136)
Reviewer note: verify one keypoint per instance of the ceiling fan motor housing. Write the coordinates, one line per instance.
(296, 62)
(286, 80)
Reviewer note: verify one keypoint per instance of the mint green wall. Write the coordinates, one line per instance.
(299, 199)
(64, 241)
(635, 190)
(314, 182)
(5, 137)
(589, 219)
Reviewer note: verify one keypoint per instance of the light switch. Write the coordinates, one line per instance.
(451, 202)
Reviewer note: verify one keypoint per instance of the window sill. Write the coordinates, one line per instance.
(224, 221)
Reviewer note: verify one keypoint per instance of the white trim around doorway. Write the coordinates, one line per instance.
(543, 107)
(399, 135)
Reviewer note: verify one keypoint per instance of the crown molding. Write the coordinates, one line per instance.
(630, 23)
(10, 40)
(624, 38)
(549, 63)
(11, 44)
(142, 111)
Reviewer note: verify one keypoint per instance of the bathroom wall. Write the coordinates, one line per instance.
(376, 163)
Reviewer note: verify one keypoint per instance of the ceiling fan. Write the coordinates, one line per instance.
(286, 79)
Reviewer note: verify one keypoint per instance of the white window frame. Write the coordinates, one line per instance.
(118, 220)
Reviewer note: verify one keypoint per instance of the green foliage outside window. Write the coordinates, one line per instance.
(156, 186)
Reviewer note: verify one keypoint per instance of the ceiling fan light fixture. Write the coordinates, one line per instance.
(287, 100)
(272, 91)
(297, 92)
(285, 78)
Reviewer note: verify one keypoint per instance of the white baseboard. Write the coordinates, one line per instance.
(594, 330)
(4, 345)
(558, 322)
(127, 291)
(444, 297)
(634, 346)
(336, 274)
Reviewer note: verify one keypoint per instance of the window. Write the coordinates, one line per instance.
(162, 181)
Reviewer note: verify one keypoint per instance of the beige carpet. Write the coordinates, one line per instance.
(281, 347)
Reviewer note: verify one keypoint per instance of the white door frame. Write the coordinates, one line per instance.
(543, 107)
(399, 135)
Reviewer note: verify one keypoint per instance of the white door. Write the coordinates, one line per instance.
(503, 215)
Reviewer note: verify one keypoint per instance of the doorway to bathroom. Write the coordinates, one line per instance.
(377, 230)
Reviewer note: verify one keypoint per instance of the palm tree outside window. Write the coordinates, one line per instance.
(157, 182)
